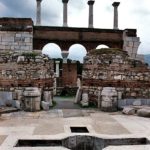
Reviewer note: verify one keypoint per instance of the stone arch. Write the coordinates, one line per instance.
(102, 46)
(77, 52)
(52, 50)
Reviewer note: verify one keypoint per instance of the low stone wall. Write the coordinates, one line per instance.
(126, 96)
(132, 102)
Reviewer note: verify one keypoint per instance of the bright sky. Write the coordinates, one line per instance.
(132, 14)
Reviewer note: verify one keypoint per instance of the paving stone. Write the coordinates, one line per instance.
(2, 138)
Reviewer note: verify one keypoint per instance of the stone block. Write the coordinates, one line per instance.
(148, 102)
(85, 99)
(45, 105)
(129, 49)
(130, 54)
(7, 39)
(18, 35)
(143, 101)
(7, 47)
(144, 112)
(118, 77)
(129, 101)
(121, 103)
(137, 103)
(128, 111)
(130, 44)
(135, 39)
(19, 39)
(20, 59)
(134, 50)
(78, 95)
(27, 40)
(2, 47)
(26, 35)
(136, 44)
(17, 47)
(48, 97)
(129, 39)
(133, 55)
(12, 47)
(25, 47)
(18, 104)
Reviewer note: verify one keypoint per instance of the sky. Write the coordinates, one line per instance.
(132, 14)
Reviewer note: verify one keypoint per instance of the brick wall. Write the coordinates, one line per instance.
(69, 74)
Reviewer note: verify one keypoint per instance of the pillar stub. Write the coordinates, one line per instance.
(91, 2)
(65, 1)
(116, 4)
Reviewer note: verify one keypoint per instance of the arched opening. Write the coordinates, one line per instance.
(52, 50)
(77, 52)
(102, 46)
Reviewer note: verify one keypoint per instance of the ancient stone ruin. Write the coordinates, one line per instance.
(111, 78)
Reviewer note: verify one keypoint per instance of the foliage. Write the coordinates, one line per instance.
(30, 54)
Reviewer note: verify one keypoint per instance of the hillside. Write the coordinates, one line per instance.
(147, 59)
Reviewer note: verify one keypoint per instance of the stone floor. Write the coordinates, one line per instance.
(56, 122)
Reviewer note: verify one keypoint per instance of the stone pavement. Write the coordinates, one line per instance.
(57, 122)
(65, 103)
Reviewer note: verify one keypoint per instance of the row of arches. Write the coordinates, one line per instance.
(76, 51)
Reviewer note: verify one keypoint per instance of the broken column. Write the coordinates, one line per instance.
(32, 99)
(57, 68)
(38, 12)
(65, 10)
(115, 5)
(91, 3)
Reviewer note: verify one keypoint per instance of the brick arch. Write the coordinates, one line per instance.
(77, 44)
(65, 37)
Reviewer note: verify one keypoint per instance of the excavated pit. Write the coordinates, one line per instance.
(81, 142)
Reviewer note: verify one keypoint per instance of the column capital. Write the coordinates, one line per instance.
(39, 0)
(91, 2)
(65, 1)
(116, 4)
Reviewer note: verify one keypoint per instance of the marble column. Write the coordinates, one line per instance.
(65, 11)
(57, 68)
(90, 3)
(115, 5)
(38, 12)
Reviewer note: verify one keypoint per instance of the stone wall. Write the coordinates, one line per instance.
(114, 68)
(114, 65)
(16, 34)
(16, 40)
(131, 44)
(25, 69)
